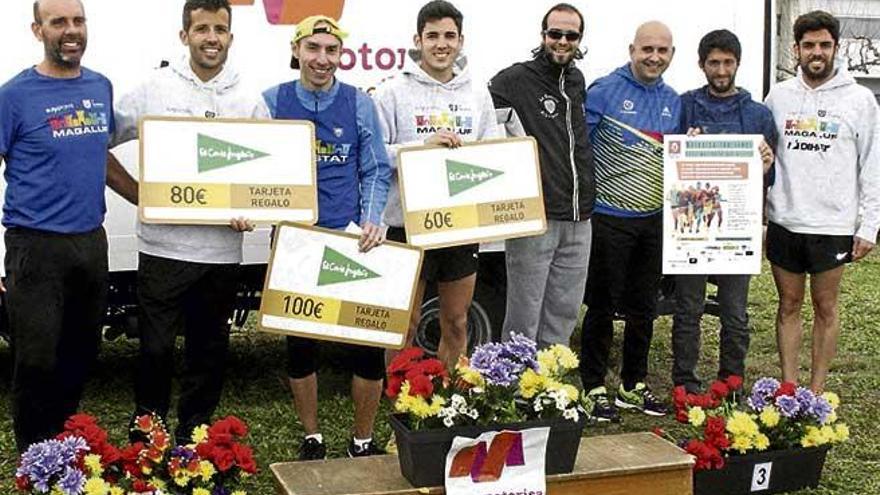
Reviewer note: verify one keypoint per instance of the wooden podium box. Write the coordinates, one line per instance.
(632, 463)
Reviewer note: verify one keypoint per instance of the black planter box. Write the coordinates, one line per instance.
(791, 469)
(422, 453)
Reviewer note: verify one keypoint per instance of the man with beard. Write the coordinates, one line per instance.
(434, 97)
(55, 123)
(824, 207)
(719, 107)
(628, 112)
(187, 274)
(544, 98)
(353, 174)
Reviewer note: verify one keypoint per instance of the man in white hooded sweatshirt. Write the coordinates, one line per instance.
(433, 101)
(187, 274)
(824, 208)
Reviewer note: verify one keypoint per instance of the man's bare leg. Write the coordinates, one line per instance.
(789, 327)
(413, 322)
(824, 291)
(365, 394)
(455, 300)
(305, 401)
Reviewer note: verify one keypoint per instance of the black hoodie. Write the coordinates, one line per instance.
(548, 100)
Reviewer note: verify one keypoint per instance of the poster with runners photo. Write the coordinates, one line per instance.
(483, 191)
(320, 285)
(208, 171)
(713, 187)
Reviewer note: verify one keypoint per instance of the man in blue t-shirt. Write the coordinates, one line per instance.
(719, 107)
(353, 175)
(55, 122)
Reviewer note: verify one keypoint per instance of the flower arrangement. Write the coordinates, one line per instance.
(81, 461)
(775, 416)
(500, 383)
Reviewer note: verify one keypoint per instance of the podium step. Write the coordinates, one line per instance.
(627, 464)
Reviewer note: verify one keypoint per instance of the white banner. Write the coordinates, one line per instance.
(207, 171)
(713, 186)
(319, 285)
(498, 462)
(482, 191)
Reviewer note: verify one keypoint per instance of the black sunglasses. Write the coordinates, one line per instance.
(555, 34)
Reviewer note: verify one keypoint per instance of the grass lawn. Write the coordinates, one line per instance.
(255, 389)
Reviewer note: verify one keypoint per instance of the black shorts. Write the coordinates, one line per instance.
(444, 264)
(363, 361)
(807, 253)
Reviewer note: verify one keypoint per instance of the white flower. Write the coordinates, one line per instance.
(448, 422)
(538, 406)
(477, 390)
(474, 414)
(571, 414)
(458, 401)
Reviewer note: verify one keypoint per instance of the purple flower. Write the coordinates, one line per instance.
(762, 393)
(183, 452)
(72, 481)
(805, 398)
(502, 364)
(820, 408)
(788, 406)
(41, 462)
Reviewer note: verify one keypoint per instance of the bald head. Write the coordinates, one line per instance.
(651, 51)
(39, 6)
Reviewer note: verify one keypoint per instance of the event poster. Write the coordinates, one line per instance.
(713, 189)
(511, 462)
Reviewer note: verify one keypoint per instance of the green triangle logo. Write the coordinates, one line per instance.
(462, 176)
(216, 153)
(337, 268)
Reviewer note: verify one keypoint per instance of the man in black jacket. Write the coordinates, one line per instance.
(544, 98)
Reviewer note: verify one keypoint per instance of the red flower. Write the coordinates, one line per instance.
(405, 360)
(735, 382)
(244, 457)
(659, 432)
(224, 459)
(787, 388)
(719, 390)
(420, 385)
(682, 416)
(228, 425)
(393, 388)
(22, 483)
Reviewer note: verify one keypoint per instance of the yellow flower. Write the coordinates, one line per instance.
(96, 486)
(200, 491)
(93, 464)
(158, 483)
(832, 399)
(553, 358)
(762, 442)
(239, 492)
(741, 423)
(571, 391)
(468, 374)
(116, 491)
(832, 418)
(200, 434)
(841, 432)
(741, 443)
(417, 406)
(696, 416)
(206, 470)
(181, 478)
(531, 383)
(770, 416)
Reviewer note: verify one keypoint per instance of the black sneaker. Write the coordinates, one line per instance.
(311, 449)
(367, 450)
(642, 399)
(603, 411)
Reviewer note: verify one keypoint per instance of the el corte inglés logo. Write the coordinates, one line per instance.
(337, 268)
(462, 176)
(216, 153)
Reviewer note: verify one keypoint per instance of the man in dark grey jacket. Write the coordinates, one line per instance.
(544, 98)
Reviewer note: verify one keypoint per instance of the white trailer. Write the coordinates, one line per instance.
(128, 39)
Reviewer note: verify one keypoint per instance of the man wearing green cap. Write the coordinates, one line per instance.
(353, 176)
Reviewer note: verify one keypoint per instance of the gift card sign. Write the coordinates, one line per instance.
(498, 462)
(319, 285)
(490, 190)
(208, 171)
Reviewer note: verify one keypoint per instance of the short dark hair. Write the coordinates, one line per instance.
(436, 10)
(816, 20)
(720, 39)
(209, 5)
(564, 7)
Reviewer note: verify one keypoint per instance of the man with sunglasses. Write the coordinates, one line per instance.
(628, 112)
(544, 98)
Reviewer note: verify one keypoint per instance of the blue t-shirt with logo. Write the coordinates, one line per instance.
(53, 136)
